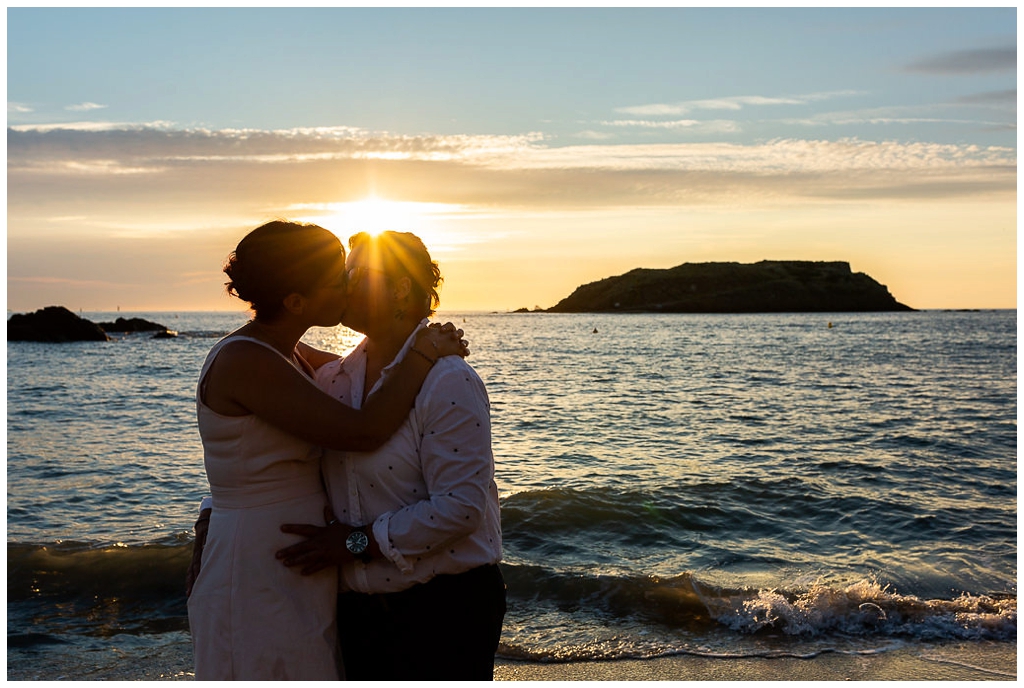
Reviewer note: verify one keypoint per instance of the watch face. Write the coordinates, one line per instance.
(357, 542)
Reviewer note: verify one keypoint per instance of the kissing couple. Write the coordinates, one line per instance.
(352, 528)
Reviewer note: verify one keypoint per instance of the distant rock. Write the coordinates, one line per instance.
(770, 286)
(53, 324)
(132, 325)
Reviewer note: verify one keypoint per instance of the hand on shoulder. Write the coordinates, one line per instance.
(436, 341)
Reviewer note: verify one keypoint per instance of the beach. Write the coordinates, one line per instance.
(941, 662)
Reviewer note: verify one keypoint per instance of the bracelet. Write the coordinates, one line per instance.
(431, 360)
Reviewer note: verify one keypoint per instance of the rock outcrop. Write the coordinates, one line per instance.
(770, 286)
(53, 324)
(132, 325)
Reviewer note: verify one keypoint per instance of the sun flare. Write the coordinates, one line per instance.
(375, 215)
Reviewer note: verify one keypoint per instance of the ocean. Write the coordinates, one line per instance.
(780, 485)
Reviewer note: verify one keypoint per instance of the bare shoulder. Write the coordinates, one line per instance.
(239, 357)
(239, 349)
(246, 374)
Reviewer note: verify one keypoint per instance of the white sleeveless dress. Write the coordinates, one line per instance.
(252, 617)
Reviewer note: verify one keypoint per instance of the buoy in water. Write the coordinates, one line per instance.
(595, 331)
(830, 326)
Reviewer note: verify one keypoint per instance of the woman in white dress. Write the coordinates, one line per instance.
(263, 422)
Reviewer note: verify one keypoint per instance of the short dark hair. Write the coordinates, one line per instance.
(403, 254)
(278, 259)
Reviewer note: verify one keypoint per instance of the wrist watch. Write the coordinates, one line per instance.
(358, 543)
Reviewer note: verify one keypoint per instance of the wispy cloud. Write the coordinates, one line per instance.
(727, 103)
(67, 218)
(93, 126)
(84, 107)
(1007, 98)
(653, 124)
(18, 108)
(105, 167)
(847, 119)
(152, 168)
(934, 113)
(962, 62)
(594, 135)
(715, 126)
(62, 281)
(784, 156)
(683, 108)
(144, 147)
(137, 146)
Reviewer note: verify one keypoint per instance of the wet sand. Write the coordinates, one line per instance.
(952, 662)
(946, 662)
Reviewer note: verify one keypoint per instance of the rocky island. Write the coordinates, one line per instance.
(58, 324)
(770, 286)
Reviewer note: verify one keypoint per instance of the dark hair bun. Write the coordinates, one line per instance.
(278, 259)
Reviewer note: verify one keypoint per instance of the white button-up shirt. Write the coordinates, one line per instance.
(429, 491)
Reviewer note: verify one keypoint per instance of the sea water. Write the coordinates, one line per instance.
(721, 485)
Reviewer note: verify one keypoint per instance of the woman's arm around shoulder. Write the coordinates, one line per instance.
(249, 378)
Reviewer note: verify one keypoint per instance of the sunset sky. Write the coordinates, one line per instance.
(533, 150)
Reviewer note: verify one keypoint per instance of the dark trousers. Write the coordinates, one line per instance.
(445, 629)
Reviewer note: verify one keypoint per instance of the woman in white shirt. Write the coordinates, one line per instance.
(419, 538)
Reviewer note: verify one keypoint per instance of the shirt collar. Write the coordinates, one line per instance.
(405, 347)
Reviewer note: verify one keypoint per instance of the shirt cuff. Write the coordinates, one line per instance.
(207, 503)
(380, 533)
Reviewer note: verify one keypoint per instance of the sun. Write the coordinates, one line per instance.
(375, 215)
(372, 215)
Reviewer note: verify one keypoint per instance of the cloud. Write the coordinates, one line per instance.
(62, 281)
(84, 107)
(54, 149)
(93, 126)
(728, 103)
(657, 124)
(1007, 98)
(683, 108)
(112, 146)
(962, 62)
(261, 174)
(780, 157)
(828, 95)
(737, 102)
(893, 115)
(18, 108)
(715, 126)
(105, 167)
(846, 119)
